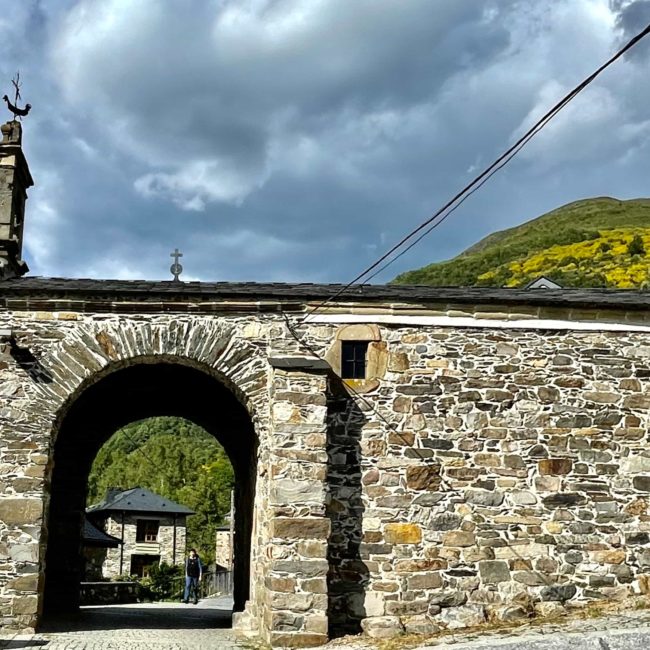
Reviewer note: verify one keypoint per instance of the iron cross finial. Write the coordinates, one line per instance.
(18, 112)
(176, 268)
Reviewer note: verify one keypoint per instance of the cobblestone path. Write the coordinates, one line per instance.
(156, 626)
(173, 626)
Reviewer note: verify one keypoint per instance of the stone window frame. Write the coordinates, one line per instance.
(376, 356)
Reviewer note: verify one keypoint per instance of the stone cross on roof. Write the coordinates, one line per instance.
(176, 268)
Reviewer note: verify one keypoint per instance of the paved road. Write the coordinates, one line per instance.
(174, 626)
(155, 626)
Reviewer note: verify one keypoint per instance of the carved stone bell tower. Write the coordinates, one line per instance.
(15, 179)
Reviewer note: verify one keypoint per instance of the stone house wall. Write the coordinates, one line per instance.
(223, 549)
(94, 557)
(164, 547)
(485, 470)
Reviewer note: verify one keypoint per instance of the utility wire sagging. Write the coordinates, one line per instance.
(417, 234)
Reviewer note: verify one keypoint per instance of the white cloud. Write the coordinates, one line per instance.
(199, 182)
(204, 112)
(43, 223)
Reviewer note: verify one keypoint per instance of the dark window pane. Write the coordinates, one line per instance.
(141, 564)
(353, 359)
(147, 530)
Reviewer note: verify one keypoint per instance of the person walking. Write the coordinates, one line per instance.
(193, 575)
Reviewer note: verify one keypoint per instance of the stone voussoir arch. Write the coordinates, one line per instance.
(93, 350)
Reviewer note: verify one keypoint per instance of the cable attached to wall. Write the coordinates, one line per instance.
(426, 227)
(391, 427)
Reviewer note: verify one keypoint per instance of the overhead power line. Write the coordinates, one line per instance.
(417, 234)
(438, 217)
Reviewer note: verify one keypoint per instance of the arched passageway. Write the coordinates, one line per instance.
(142, 389)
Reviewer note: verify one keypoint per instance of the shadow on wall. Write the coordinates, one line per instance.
(348, 575)
(25, 358)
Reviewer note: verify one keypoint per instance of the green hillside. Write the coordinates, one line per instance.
(601, 242)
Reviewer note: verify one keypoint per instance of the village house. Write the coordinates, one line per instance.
(94, 544)
(149, 530)
(224, 548)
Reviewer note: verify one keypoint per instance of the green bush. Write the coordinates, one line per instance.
(162, 581)
(636, 247)
(125, 577)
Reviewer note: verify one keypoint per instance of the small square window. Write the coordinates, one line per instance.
(147, 530)
(353, 359)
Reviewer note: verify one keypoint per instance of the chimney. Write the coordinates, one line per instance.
(14, 181)
(111, 493)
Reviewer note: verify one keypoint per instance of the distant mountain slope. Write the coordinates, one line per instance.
(600, 242)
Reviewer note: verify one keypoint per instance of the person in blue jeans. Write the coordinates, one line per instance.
(193, 574)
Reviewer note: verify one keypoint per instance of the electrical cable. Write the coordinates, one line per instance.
(434, 225)
(453, 204)
(480, 180)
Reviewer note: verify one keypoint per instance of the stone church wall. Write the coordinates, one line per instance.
(482, 472)
(42, 369)
(492, 473)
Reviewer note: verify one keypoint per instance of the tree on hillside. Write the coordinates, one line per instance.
(636, 246)
(176, 459)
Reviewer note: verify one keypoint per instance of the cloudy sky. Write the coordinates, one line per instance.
(295, 140)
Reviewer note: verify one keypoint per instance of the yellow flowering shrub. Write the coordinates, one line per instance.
(610, 260)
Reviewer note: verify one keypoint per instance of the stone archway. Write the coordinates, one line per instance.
(68, 381)
(209, 351)
(143, 388)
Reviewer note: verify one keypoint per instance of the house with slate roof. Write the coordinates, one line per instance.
(95, 542)
(149, 530)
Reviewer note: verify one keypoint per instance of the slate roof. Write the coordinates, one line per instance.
(93, 536)
(152, 291)
(138, 500)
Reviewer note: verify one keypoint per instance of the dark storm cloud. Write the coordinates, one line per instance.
(297, 139)
(228, 86)
(633, 16)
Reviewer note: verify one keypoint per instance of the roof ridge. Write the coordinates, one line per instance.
(141, 499)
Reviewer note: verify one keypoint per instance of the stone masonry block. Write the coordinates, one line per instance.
(300, 527)
(21, 511)
(555, 466)
(403, 534)
(423, 477)
(297, 639)
(494, 571)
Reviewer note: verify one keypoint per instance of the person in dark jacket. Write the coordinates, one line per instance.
(193, 574)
